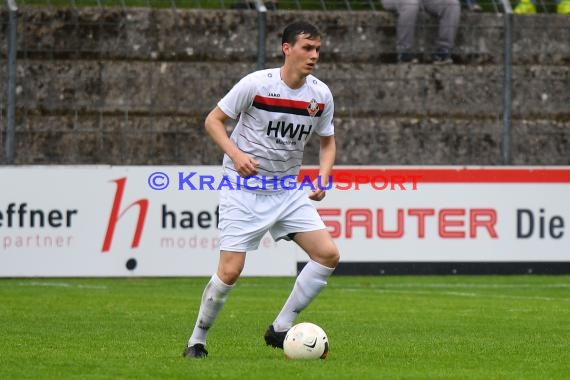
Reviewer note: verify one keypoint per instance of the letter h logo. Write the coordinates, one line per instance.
(115, 215)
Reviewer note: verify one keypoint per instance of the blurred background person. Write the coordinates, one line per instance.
(529, 7)
(447, 12)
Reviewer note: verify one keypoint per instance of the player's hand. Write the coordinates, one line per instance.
(318, 194)
(245, 165)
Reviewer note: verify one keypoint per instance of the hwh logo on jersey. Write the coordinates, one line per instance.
(282, 129)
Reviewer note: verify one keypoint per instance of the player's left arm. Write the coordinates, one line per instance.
(327, 156)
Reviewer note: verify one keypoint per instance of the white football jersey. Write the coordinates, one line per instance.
(275, 123)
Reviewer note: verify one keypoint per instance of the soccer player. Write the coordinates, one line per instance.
(278, 110)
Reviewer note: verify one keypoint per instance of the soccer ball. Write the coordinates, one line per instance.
(306, 341)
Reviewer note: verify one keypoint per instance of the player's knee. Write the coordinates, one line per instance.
(229, 274)
(229, 277)
(329, 257)
(335, 257)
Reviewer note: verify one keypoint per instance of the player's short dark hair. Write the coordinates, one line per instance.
(293, 30)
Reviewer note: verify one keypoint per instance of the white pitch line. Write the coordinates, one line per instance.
(501, 296)
(459, 294)
(61, 285)
(423, 292)
(475, 285)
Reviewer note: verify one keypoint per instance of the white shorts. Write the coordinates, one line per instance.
(245, 217)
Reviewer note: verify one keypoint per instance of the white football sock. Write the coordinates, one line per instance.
(309, 283)
(213, 298)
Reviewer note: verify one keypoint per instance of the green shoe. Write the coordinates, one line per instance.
(563, 7)
(525, 7)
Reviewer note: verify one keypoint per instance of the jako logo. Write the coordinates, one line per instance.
(116, 215)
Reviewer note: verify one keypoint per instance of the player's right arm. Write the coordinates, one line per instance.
(244, 165)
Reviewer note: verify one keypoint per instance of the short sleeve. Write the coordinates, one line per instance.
(326, 125)
(239, 98)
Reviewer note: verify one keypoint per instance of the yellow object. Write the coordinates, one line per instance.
(563, 7)
(525, 7)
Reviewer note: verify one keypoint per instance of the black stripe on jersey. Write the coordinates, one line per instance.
(263, 157)
(289, 110)
(250, 115)
(268, 147)
(282, 171)
(269, 171)
(293, 107)
(248, 127)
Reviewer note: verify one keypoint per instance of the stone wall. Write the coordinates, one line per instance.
(133, 86)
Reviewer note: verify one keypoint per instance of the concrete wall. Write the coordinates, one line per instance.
(133, 87)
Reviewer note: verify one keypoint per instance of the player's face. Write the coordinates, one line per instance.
(303, 55)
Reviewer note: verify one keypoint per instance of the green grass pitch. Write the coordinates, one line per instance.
(412, 327)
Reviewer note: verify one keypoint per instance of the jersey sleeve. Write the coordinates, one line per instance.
(326, 125)
(239, 98)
